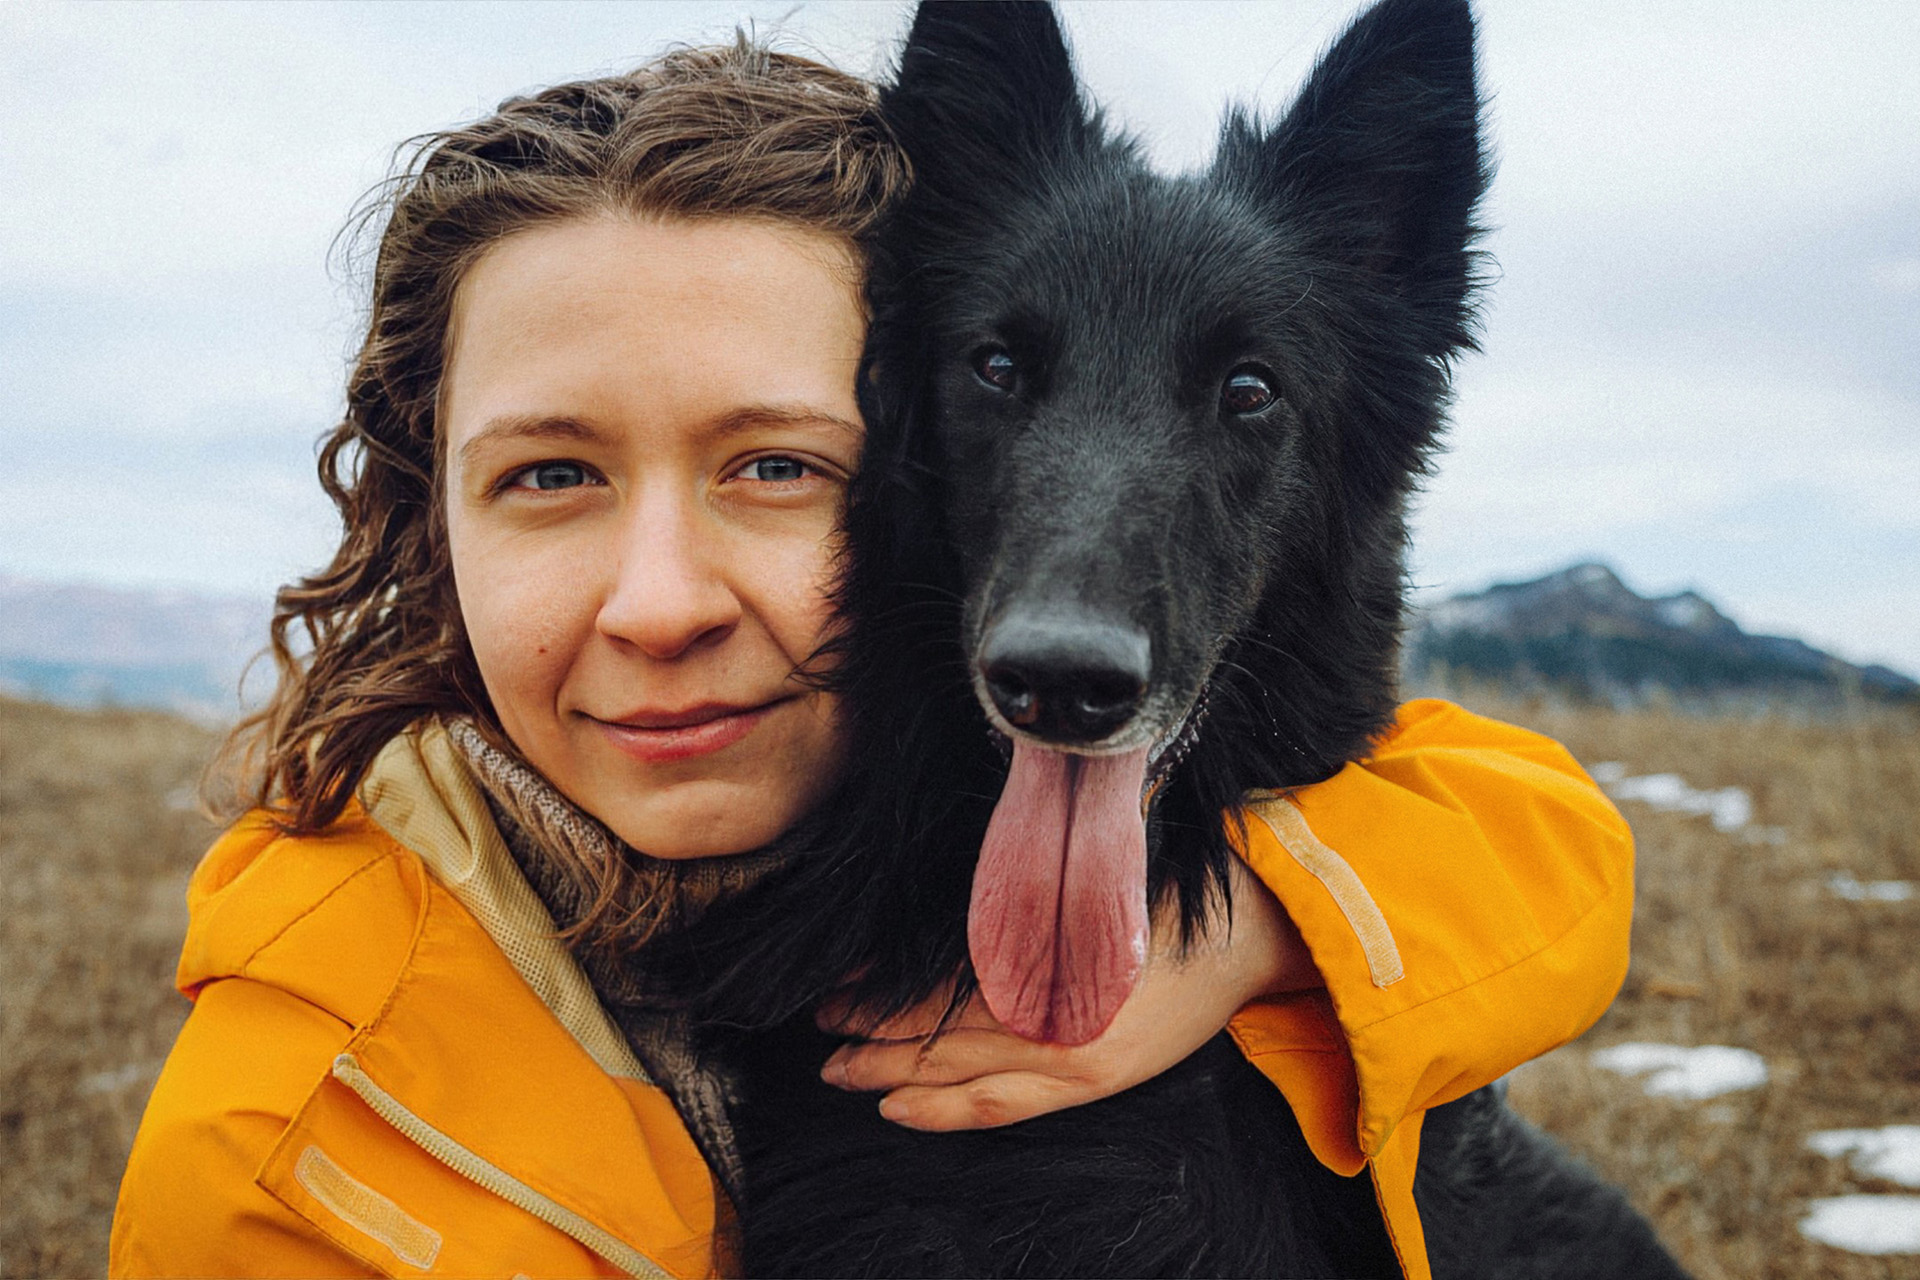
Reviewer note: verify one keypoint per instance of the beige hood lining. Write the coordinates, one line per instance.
(420, 792)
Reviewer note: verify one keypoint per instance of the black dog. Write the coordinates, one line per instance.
(1132, 503)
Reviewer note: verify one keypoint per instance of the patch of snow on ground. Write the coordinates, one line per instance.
(1607, 772)
(1865, 1224)
(1729, 807)
(1704, 1071)
(1892, 1152)
(1845, 886)
(119, 1077)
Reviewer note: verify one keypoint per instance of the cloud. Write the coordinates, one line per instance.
(235, 510)
(1897, 276)
(1776, 493)
(1698, 356)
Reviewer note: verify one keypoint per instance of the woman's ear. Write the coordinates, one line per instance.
(985, 97)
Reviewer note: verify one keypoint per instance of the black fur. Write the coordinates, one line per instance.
(1261, 553)
(1501, 1201)
(1199, 1172)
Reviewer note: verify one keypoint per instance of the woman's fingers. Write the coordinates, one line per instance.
(1007, 1097)
(955, 1057)
(974, 1078)
(840, 1017)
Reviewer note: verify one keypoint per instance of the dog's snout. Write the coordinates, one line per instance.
(1073, 680)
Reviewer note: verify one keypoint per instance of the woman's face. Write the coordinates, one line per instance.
(649, 426)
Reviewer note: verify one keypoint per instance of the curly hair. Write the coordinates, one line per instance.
(374, 642)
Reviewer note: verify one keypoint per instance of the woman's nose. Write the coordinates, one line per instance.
(670, 593)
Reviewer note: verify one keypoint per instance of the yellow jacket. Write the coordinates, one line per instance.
(392, 1068)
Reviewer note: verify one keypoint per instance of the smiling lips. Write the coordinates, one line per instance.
(660, 737)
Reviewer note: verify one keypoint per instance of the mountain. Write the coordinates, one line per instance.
(1581, 630)
(87, 645)
(1585, 631)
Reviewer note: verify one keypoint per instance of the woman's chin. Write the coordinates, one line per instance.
(699, 820)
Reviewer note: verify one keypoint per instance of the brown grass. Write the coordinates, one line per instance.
(96, 842)
(1741, 943)
(1735, 943)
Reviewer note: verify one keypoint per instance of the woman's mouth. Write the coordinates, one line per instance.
(661, 736)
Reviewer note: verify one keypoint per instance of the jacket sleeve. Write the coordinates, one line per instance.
(189, 1203)
(1466, 893)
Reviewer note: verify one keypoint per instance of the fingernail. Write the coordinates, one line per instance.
(894, 1109)
(835, 1071)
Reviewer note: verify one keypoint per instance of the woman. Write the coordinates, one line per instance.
(590, 478)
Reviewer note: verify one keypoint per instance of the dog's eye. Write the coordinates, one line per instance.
(1248, 389)
(993, 366)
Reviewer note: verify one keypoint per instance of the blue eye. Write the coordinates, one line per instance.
(552, 475)
(775, 470)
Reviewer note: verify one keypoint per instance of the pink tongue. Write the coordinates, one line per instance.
(1058, 926)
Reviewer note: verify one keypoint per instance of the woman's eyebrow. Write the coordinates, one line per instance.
(760, 416)
(533, 426)
(527, 426)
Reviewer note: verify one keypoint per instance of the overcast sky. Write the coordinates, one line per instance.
(1702, 357)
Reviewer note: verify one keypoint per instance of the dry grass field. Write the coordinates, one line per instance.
(97, 837)
(1742, 942)
(1738, 942)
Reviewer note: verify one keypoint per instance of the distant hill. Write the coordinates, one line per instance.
(86, 645)
(1585, 631)
(1581, 630)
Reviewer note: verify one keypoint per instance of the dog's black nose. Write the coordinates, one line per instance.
(1065, 678)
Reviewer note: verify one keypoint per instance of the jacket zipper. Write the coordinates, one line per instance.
(347, 1071)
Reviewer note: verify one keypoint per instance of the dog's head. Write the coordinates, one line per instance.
(1174, 422)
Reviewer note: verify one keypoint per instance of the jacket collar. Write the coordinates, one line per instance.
(421, 793)
(466, 1062)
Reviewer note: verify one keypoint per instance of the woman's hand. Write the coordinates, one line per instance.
(978, 1074)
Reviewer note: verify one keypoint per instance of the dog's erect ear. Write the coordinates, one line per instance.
(1380, 159)
(985, 87)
